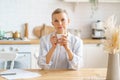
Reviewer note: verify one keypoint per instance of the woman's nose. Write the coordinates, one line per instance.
(60, 23)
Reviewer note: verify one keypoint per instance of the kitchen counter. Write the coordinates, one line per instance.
(82, 74)
(92, 41)
(31, 41)
(37, 41)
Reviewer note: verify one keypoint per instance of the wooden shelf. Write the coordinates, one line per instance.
(101, 1)
(37, 41)
(32, 41)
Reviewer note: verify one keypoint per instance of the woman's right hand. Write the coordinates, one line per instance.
(53, 41)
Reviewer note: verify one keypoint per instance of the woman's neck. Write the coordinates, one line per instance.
(65, 33)
(61, 32)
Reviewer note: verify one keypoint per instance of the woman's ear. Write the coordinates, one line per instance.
(52, 23)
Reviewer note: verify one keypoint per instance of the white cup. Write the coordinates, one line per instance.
(59, 36)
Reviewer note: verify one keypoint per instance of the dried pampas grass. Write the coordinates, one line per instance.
(112, 34)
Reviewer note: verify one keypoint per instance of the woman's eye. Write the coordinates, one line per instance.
(63, 20)
(56, 21)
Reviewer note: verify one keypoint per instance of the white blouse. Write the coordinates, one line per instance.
(60, 58)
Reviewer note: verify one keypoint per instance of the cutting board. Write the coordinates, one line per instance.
(42, 30)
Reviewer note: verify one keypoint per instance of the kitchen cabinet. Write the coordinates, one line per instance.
(76, 0)
(94, 56)
(110, 1)
(35, 54)
(102, 1)
(26, 57)
(23, 59)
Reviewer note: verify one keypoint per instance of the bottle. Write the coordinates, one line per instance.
(26, 31)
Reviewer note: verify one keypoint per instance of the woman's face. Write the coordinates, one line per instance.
(60, 21)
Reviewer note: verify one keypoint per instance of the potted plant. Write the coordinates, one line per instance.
(112, 47)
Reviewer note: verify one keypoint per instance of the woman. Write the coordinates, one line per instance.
(64, 52)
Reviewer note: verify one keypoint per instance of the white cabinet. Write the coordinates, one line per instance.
(76, 0)
(35, 54)
(94, 56)
(26, 55)
(23, 59)
(108, 1)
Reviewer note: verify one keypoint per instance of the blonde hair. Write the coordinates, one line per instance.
(59, 10)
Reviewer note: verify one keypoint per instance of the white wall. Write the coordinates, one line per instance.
(14, 13)
(83, 15)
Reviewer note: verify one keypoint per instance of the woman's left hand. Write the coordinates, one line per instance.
(65, 44)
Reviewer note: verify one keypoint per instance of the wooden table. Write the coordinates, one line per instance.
(83, 74)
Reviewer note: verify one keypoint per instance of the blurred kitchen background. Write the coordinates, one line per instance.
(24, 20)
(15, 13)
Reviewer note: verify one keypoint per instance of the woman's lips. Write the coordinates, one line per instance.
(60, 27)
